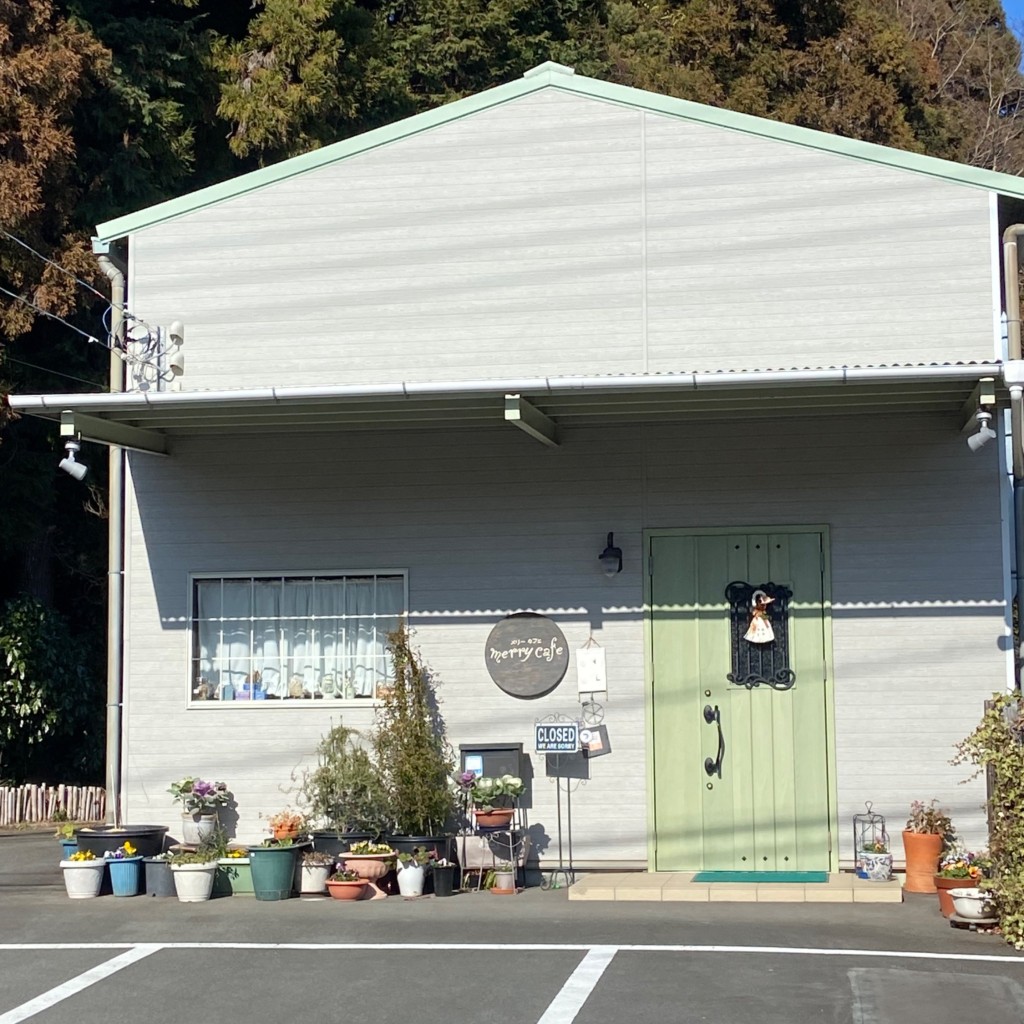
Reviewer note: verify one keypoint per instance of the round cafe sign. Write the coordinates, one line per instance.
(526, 655)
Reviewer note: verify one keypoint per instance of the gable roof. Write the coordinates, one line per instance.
(550, 75)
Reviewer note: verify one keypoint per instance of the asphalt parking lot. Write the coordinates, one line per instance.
(535, 958)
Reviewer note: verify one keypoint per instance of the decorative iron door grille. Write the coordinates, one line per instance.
(761, 610)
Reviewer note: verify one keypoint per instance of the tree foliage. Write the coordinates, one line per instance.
(50, 713)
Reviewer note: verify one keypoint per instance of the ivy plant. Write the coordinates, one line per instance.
(996, 746)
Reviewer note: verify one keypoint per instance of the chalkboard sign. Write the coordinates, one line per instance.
(526, 655)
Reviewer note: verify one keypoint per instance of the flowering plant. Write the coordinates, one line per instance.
(877, 846)
(929, 819)
(199, 795)
(237, 853)
(365, 848)
(487, 792)
(286, 821)
(127, 850)
(82, 855)
(964, 864)
(345, 876)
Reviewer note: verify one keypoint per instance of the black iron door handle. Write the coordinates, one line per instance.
(713, 765)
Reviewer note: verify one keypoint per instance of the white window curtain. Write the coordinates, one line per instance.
(304, 636)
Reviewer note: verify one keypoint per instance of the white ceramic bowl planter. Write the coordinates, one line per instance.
(83, 878)
(973, 904)
(194, 882)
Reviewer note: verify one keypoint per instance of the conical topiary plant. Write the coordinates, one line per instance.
(412, 754)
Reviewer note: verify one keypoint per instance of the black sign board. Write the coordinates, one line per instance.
(556, 737)
(526, 655)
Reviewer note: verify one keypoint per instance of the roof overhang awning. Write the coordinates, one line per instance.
(541, 406)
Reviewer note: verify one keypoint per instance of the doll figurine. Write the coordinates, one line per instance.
(760, 629)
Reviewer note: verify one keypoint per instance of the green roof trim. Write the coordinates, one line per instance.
(551, 75)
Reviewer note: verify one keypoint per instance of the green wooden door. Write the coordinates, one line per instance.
(770, 809)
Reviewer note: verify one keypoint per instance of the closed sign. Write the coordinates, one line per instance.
(557, 738)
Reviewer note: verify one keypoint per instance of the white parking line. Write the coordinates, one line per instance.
(575, 992)
(1010, 957)
(76, 984)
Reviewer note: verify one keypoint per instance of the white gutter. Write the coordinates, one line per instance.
(639, 383)
(115, 555)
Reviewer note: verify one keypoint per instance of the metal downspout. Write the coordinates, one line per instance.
(115, 557)
(1011, 286)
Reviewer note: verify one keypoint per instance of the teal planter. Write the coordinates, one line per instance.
(273, 871)
(126, 875)
(68, 847)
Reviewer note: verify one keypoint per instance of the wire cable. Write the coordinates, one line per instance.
(25, 245)
(53, 316)
(56, 373)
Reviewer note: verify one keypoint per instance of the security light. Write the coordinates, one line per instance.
(68, 463)
(985, 432)
(611, 558)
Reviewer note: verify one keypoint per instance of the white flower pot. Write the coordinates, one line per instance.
(193, 882)
(411, 878)
(312, 878)
(876, 866)
(197, 827)
(82, 878)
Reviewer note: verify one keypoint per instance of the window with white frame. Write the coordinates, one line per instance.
(271, 638)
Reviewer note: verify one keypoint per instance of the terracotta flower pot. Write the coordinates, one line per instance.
(369, 866)
(498, 817)
(346, 890)
(944, 885)
(923, 850)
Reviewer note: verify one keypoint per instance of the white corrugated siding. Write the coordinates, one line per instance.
(487, 522)
(563, 235)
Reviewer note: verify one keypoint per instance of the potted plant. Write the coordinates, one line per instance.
(504, 880)
(199, 801)
(346, 885)
(66, 834)
(314, 869)
(928, 831)
(83, 874)
(412, 870)
(493, 799)
(103, 839)
(876, 860)
(344, 793)
(158, 876)
(959, 869)
(273, 868)
(443, 874)
(371, 861)
(412, 754)
(234, 872)
(193, 872)
(287, 824)
(125, 865)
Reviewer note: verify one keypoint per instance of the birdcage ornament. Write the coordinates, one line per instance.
(871, 846)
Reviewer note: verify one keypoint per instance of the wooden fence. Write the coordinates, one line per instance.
(21, 804)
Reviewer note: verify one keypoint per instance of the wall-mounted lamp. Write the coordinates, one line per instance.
(68, 463)
(985, 432)
(611, 558)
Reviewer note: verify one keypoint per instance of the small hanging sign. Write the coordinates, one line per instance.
(590, 669)
(594, 741)
(556, 737)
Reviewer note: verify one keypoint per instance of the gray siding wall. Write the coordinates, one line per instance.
(561, 235)
(487, 522)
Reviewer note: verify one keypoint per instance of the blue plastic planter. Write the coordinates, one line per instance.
(126, 875)
(68, 847)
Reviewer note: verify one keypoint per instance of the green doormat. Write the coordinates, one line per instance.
(761, 876)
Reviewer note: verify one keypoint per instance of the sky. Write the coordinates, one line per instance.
(1014, 15)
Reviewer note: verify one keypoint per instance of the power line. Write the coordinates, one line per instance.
(25, 245)
(52, 316)
(57, 373)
